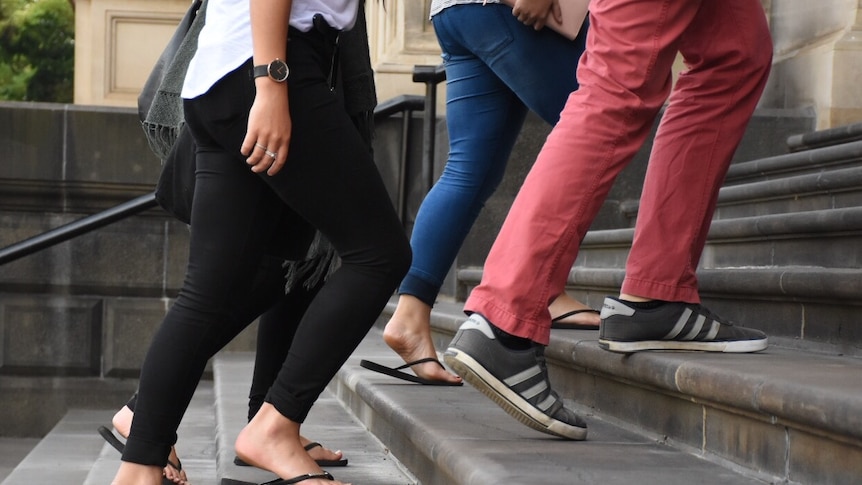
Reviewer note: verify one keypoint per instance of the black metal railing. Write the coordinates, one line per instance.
(406, 105)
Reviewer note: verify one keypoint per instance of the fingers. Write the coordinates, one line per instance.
(263, 157)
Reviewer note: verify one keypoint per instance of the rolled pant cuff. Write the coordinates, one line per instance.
(288, 406)
(145, 453)
(660, 291)
(414, 286)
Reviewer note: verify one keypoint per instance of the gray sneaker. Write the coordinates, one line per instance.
(517, 380)
(673, 326)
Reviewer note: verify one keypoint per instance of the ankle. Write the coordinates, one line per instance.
(511, 342)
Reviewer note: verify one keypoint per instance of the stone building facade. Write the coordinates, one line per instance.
(818, 51)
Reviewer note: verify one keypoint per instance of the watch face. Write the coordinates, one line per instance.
(278, 70)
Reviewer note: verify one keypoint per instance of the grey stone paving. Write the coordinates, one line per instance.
(12, 451)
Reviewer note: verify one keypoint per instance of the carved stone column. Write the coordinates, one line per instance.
(116, 44)
(818, 59)
(401, 36)
(846, 106)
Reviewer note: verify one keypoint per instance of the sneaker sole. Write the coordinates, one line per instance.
(737, 346)
(517, 407)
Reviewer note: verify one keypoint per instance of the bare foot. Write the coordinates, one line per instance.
(408, 333)
(564, 303)
(272, 442)
(122, 421)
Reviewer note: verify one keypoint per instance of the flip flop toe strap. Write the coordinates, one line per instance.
(420, 361)
(301, 478)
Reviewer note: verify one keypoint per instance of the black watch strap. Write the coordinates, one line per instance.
(260, 71)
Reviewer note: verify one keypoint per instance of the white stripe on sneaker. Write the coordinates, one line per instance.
(522, 376)
(534, 391)
(680, 324)
(547, 403)
(698, 325)
(713, 331)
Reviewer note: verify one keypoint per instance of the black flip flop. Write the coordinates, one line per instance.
(118, 445)
(329, 463)
(556, 323)
(281, 481)
(396, 372)
(300, 478)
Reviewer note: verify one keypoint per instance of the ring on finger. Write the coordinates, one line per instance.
(271, 154)
(260, 146)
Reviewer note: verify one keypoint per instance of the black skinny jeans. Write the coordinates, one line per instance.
(329, 181)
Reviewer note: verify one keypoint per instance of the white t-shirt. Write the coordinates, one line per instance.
(225, 40)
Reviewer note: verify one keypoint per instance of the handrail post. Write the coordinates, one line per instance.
(431, 76)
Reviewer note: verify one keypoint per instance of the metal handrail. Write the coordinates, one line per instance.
(400, 104)
(76, 228)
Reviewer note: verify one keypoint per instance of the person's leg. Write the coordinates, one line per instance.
(623, 82)
(122, 422)
(276, 328)
(728, 50)
(492, 70)
(337, 189)
(602, 126)
(227, 216)
(274, 338)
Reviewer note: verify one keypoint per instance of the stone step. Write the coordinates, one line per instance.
(369, 461)
(195, 443)
(66, 454)
(820, 238)
(814, 160)
(830, 188)
(456, 436)
(782, 415)
(811, 308)
(827, 137)
(785, 189)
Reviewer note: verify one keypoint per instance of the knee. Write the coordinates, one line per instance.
(756, 61)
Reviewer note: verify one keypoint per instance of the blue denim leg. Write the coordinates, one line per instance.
(496, 68)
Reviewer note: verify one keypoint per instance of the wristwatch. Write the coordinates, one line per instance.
(277, 71)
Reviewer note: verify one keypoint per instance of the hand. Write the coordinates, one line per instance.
(269, 125)
(535, 12)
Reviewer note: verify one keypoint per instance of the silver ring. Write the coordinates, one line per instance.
(261, 147)
(271, 154)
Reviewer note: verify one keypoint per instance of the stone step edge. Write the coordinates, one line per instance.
(808, 398)
(449, 451)
(791, 187)
(329, 423)
(815, 223)
(821, 157)
(789, 283)
(66, 454)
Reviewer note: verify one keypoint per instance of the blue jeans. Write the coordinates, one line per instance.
(496, 69)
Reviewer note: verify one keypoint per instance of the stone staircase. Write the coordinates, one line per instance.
(779, 416)
(783, 255)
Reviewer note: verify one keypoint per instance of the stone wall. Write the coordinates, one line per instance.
(818, 51)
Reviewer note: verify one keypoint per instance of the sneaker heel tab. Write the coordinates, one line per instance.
(612, 306)
(480, 323)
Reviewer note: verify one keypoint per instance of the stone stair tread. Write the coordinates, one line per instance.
(195, 443)
(809, 388)
(456, 435)
(66, 454)
(369, 462)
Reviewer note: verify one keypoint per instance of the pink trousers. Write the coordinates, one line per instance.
(625, 78)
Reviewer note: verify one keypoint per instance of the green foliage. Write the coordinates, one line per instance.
(37, 50)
